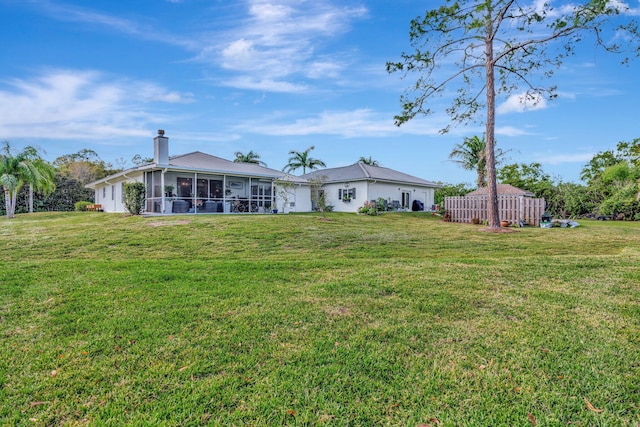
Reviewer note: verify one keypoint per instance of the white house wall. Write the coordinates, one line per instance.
(332, 195)
(111, 196)
(368, 191)
(298, 198)
(391, 192)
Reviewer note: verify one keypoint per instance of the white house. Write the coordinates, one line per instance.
(348, 188)
(201, 183)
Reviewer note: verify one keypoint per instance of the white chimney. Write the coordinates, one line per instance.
(161, 149)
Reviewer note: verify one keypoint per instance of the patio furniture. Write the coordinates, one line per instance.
(212, 206)
(180, 206)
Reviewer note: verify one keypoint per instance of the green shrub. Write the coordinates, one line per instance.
(81, 206)
(623, 202)
(134, 195)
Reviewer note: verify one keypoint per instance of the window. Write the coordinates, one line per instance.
(113, 192)
(122, 193)
(406, 199)
(215, 189)
(185, 187)
(347, 194)
(157, 181)
(104, 192)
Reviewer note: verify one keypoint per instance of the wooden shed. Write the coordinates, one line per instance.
(514, 205)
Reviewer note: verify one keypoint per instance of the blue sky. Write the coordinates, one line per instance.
(222, 76)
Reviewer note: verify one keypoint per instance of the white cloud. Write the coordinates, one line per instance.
(280, 39)
(624, 8)
(78, 105)
(510, 131)
(556, 159)
(267, 85)
(348, 124)
(272, 40)
(323, 69)
(81, 15)
(519, 103)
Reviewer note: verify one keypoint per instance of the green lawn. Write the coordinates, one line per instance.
(266, 320)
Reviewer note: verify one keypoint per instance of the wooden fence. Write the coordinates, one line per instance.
(510, 208)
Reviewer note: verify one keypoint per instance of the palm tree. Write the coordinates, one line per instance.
(471, 156)
(26, 167)
(369, 161)
(301, 159)
(250, 157)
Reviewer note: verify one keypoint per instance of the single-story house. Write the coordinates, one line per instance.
(348, 188)
(201, 183)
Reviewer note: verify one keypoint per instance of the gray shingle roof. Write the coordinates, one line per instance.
(206, 162)
(362, 172)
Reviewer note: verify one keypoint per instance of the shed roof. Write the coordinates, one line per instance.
(503, 190)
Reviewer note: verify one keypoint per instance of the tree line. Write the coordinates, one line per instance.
(611, 181)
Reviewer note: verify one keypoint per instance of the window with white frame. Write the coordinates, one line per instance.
(347, 194)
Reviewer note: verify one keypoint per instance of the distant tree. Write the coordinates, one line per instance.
(612, 176)
(68, 191)
(139, 160)
(284, 189)
(24, 167)
(576, 200)
(318, 195)
(630, 151)
(622, 181)
(494, 47)
(598, 163)
(470, 155)
(121, 164)
(250, 157)
(301, 159)
(450, 190)
(84, 166)
(526, 177)
(369, 161)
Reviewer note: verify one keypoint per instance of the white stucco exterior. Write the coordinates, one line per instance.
(111, 193)
(201, 183)
(348, 188)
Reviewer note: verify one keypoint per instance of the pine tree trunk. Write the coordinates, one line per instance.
(493, 214)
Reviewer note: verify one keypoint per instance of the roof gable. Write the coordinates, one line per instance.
(363, 172)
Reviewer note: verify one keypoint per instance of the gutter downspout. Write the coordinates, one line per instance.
(108, 183)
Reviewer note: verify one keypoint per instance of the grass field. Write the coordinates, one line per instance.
(266, 320)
